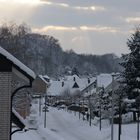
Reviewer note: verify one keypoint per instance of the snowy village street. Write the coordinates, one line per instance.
(69, 127)
(62, 125)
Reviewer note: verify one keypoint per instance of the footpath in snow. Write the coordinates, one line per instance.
(62, 125)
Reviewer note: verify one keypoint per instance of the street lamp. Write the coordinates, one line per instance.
(45, 111)
(101, 92)
(138, 110)
(112, 106)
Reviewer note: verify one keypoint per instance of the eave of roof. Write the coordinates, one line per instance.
(17, 64)
(41, 77)
(17, 119)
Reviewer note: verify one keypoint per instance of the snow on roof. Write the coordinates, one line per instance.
(16, 62)
(103, 80)
(56, 87)
(72, 77)
(46, 76)
(129, 100)
(42, 78)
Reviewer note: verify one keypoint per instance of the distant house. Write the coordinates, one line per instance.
(10, 67)
(115, 85)
(71, 84)
(103, 80)
(41, 85)
(90, 88)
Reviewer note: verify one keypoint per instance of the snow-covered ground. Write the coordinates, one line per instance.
(62, 125)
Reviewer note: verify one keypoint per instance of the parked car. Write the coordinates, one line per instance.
(61, 107)
(78, 108)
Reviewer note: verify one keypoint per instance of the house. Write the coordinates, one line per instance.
(18, 121)
(103, 80)
(70, 85)
(40, 85)
(9, 67)
(113, 85)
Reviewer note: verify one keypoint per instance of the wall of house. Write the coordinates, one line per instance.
(21, 101)
(39, 87)
(5, 103)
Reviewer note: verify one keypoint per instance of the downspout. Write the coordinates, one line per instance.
(12, 96)
(17, 130)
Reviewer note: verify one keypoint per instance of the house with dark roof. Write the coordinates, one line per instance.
(72, 84)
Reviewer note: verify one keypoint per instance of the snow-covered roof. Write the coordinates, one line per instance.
(129, 100)
(103, 80)
(16, 62)
(56, 87)
(42, 78)
(46, 76)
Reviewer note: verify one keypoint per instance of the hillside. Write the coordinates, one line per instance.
(43, 54)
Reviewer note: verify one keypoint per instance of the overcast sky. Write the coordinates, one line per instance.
(86, 26)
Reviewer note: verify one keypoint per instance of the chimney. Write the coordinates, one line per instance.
(88, 80)
(62, 83)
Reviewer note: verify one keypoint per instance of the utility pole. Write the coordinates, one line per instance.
(138, 124)
(100, 106)
(79, 106)
(40, 105)
(100, 127)
(120, 118)
(45, 111)
(100, 101)
(83, 110)
(89, 112)
(138, 110)
(112, 108)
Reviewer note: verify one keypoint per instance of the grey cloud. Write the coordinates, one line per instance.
(62, 15)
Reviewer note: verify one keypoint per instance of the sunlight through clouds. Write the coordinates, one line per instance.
(76, 22)
(92, 8)
(51, 27)
(44, 2)
(100, 29)
(133, 20)
(30, 2)
(13, 10)
(64, 4)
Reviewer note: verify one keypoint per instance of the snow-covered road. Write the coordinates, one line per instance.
(62, 125)
(69, 127)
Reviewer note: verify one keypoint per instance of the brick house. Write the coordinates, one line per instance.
(10, 66)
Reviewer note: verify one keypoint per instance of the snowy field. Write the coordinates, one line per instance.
(62, 125)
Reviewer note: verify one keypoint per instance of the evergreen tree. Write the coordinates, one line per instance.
(75, 71)
(131, 64)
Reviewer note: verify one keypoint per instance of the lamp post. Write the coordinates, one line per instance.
(112, 107)
(89, 111)
(40, 105)
(138, 110)
(100, 98)
(79, 110)
(45, 111)
(120, 119)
